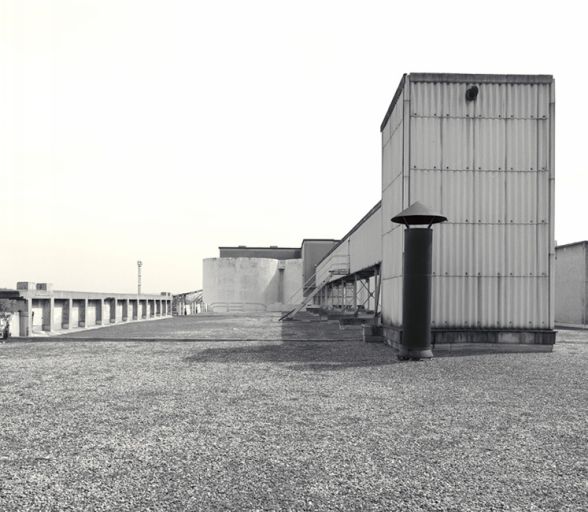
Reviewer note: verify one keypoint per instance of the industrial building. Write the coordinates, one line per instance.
(476, 149)
(571, 284)
(41, 310)
(480, 150)
(270, 278)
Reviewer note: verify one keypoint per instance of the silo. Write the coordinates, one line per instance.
(480, 150)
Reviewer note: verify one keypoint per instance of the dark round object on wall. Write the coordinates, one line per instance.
(472, 93)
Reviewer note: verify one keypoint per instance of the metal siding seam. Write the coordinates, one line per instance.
(551, 294)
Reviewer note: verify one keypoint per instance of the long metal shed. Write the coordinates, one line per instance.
(480, 150)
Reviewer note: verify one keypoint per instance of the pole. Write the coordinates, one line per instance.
(416, 294)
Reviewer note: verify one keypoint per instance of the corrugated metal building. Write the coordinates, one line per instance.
(571, 283)
(485, 159)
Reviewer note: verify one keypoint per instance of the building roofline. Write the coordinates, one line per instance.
(352, 230)
(320, 240)
(480, 78)
(269, 247)
(462, 78)
(582, 242)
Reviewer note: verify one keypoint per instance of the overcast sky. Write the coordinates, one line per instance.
(159, 130)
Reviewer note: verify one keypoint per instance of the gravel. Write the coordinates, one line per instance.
(289, 425)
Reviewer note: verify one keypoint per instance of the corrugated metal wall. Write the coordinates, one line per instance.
(361, 249)
(486, 165)
(571, 284)
(393, 150)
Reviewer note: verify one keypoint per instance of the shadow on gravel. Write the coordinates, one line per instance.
(301, 355)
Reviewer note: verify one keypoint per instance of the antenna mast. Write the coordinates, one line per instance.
(139, 265)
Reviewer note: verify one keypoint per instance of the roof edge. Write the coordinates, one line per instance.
(480, 78)
(397, 94)
(581, 242)
(352, 230)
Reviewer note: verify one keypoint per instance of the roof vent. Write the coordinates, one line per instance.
(472, 93)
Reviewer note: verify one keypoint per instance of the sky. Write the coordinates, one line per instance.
(160, 130)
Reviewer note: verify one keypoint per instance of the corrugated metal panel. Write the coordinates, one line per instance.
(457, 146)
(490, 196)
(426, 99)
(425, 186)
(457, 196)
(365, 247)
(543, 248)
(454, 301)
(521, 250)
(425, 143)
(490, 144)
(521, 197)
(387, 171)
(521, 148)
(489, 249)
(392, 297)
(391, 203)
(453, 247)
(337, 261)
(491, 101)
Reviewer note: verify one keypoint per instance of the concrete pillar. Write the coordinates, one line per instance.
(158, 307)
(29, 318)
(66, 323)
(355, 292)
(125, 310)
(48, 322)
(113, 311)
(100, 312)
(84, 314)
(367, 287)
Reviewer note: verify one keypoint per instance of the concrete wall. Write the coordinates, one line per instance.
(571, 284)
(251, 284)
(292, 281)
(44, 311)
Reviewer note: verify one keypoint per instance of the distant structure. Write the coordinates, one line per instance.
(270, 278)
(44, 311)
(571, 284)
(188, 303)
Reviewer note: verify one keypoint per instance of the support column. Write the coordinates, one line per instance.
(113, 311)
(355, 292)
(377, 292)
(48, 322)
(67, 325)
(125, 310)
(29, 326)
(84, 314)
(369, 297)
(100, 312)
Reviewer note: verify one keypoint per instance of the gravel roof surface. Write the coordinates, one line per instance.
(290, 425)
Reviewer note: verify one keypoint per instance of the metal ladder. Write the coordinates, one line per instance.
(305, 301)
